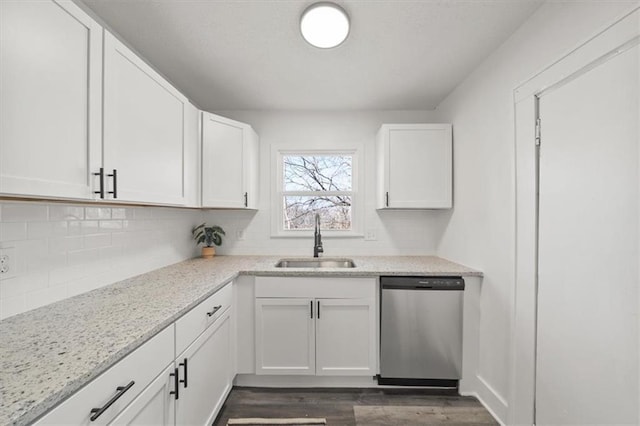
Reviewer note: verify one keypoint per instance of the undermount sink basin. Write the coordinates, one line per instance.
(315, 263)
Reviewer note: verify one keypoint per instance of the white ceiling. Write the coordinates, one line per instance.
(248, 54)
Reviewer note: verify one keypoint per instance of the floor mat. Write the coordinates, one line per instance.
(272, 422)
(396, 415)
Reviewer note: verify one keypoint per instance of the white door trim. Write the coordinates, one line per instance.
(620, 36)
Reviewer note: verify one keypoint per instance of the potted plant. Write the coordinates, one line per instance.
(208, 235)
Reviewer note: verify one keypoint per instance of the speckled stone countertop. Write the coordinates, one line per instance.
(51, 352)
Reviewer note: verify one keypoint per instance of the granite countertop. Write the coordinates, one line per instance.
(49, 353)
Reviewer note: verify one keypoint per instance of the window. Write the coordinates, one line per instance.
(316, 182)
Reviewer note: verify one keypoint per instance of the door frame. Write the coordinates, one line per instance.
(615, 39)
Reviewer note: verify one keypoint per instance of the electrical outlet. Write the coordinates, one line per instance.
(7, 263)
(370, 235)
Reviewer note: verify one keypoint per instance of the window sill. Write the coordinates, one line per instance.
(325, 235)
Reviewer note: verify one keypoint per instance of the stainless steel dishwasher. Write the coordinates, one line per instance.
(421, 331)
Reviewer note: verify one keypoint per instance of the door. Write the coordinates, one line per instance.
(285, 336)
(143, 129)
(587, 323)
(208, 376)
(419, 166)
(223, 152)
(51, 103)
(345, 337)
(154, 406)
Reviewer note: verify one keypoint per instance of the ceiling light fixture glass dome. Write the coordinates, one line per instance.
(324, 25)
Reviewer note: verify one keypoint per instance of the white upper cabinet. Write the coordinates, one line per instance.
(144, 122)
(50, 101)
(229, 163)
(415, 166)
(192, 156)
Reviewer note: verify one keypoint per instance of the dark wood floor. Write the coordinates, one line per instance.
(380, 406)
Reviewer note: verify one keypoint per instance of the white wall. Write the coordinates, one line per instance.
(398, 232)
(61, 250)
(481, 231)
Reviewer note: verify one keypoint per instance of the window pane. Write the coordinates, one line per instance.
(317, 172)
(335, 212)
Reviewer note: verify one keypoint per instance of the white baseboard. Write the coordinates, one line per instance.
(277, 381)
(490, 399)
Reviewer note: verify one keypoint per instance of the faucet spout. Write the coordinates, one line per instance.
(317, 238)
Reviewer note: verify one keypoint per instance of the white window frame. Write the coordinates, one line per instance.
(278, 152)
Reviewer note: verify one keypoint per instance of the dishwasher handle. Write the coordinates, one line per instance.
(422, 283)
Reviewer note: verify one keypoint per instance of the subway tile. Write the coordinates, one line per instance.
(121, 238)
(12, 305)
(38, 298)
(74, 227)
(111, 253)
(110, 225)
(39, 230)
(64, 244)
(122, 213)
(97, 213)
(97, 241)
(58, 212)
(45, 261)
(10, 288)
(143, 213)
(83, 257)
(89, 227)
(24, 212)
(13, 231)
(63, 275)
(23, 284)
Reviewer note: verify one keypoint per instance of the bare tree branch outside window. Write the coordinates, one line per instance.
(317, 184)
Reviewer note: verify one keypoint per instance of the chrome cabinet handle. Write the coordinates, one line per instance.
(215, 309)
(387, 199)
(246, 199)
(120, 390)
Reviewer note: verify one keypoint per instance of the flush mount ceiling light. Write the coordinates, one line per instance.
(324, 25)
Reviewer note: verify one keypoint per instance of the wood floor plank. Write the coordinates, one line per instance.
(338, 405)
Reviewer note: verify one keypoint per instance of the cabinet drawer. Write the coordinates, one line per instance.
(315, 287)
(140, 367)
(196, 321)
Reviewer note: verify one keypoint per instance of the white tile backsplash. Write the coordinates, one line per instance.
(66, 249)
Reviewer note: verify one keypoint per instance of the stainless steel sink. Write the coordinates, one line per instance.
(315, 263)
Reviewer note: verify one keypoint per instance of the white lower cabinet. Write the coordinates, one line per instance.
(285, 336)
(151, 386)
(208, 375)
(103, 399)
(331, 333)
(155, 406)
(345, 341)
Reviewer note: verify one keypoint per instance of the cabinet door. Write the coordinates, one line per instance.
(154, 406)
(192, 155)
(209, 374)
(417, 166)
(285, 336)
(50, 104)
(345, 337)
(223, 151)
(251, 168)
(143, 129)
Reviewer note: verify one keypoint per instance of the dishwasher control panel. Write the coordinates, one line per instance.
(427, 283)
